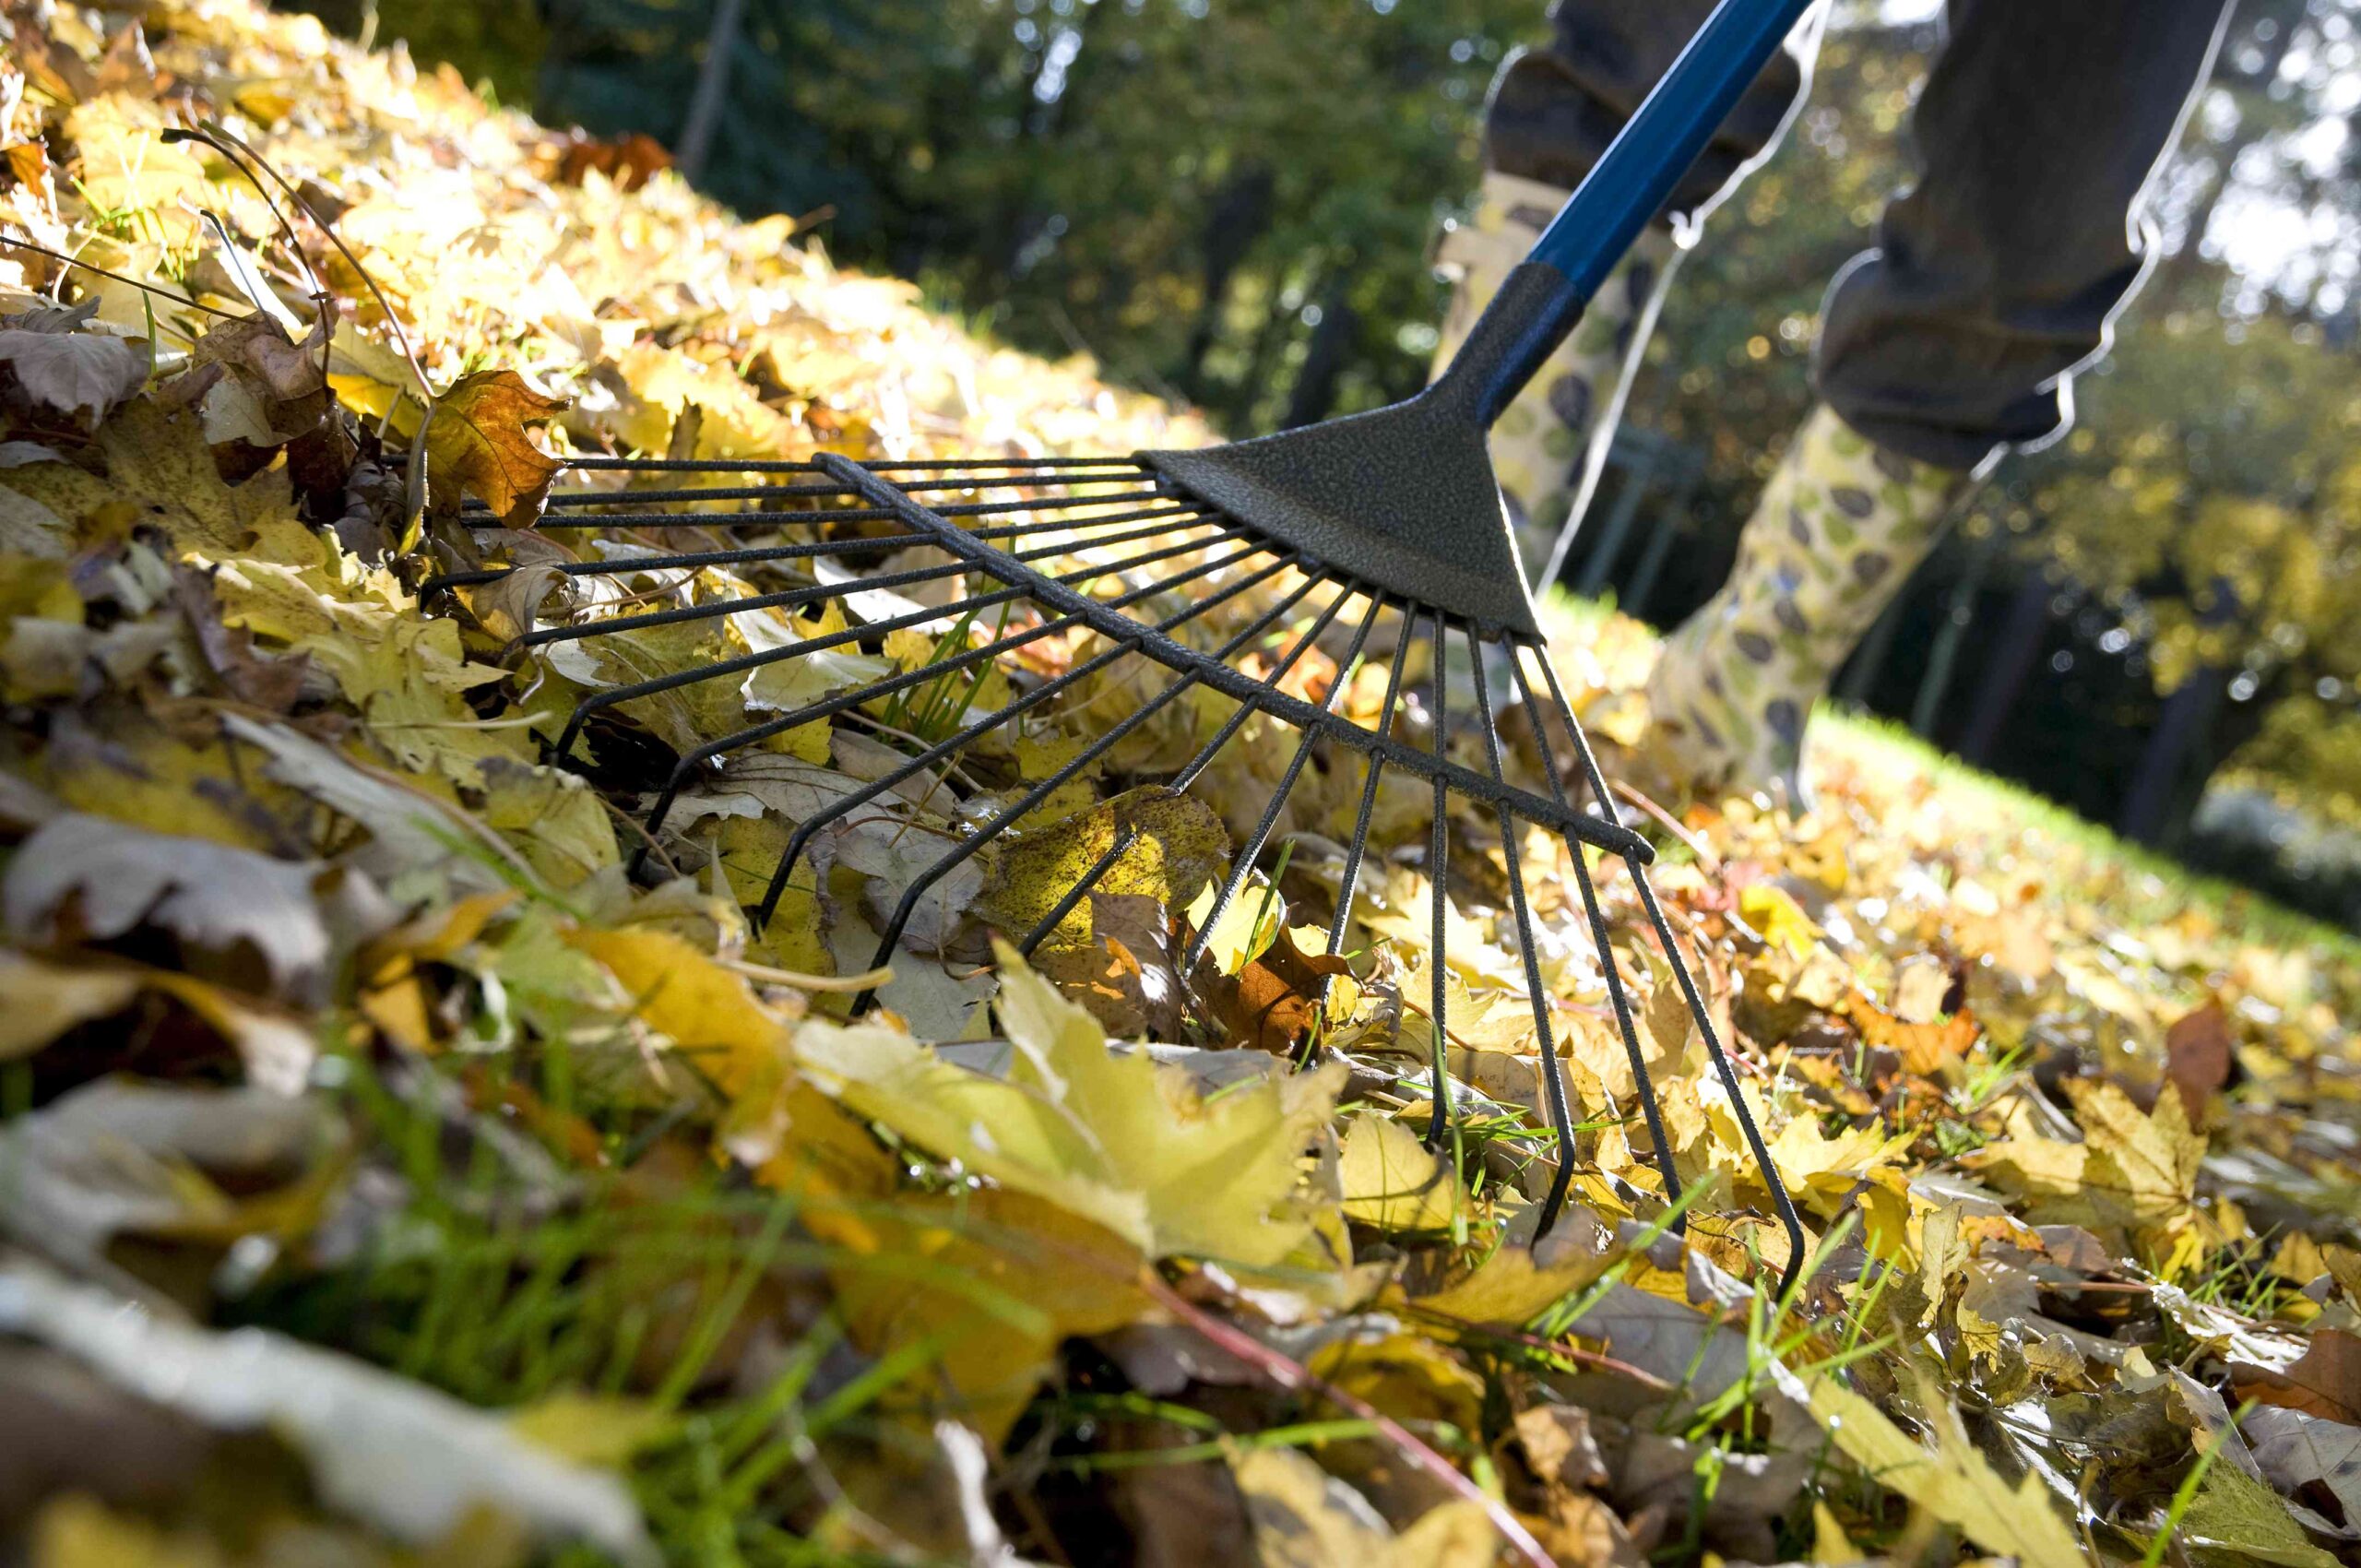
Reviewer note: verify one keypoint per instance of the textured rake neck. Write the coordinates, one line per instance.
(1403, 498)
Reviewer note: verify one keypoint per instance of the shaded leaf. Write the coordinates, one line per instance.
(73, 373)
(387, 1450)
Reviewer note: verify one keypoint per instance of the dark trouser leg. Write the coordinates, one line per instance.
(1996, 276)
(1556, 108)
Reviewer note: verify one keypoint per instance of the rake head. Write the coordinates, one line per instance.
(1171, 573)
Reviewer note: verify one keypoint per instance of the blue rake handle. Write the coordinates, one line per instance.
(1630, 183)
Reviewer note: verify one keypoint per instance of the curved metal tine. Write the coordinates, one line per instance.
(602, 461)
(600, 701)
(1001, 820)
(1180, 780)
(1553, 1077)
(789, 598)
(1439, 868)
(753, 554)
(1601, 941)
(580, 518)
(1789, 1221)
(690, 762)
(687, 561)
(1252, 849)
(870, 792)
(1124, 838)
(1359, 844)
(575, 500)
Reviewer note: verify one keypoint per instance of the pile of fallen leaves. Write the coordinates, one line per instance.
(390, 1175)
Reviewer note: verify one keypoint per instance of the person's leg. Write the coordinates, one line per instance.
(1994, 278)
(1554, 111)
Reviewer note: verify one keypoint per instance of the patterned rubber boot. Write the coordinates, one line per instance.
(1538, 441)
(1837, 532)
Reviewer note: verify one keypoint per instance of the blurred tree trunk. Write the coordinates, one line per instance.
(1314, 392)
(1269, 342)
(1238, 215)
(2016, 652)
(712, 91)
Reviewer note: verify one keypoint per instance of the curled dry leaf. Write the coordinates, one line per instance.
(477, 445)
(285, 381)
(1279, 995)
(2298, 1451)
(81, 877)
(2325, 1381)
(79, 374)
(46, 999)
(1127, 973)
(2197, 1055)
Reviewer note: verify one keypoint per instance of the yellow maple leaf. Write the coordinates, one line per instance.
(1952, 1481)
(2132, 1169)
(1392, 1181)
(1821, 1171)
(1112, 1137)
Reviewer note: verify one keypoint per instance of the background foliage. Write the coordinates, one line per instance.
(1234, 203)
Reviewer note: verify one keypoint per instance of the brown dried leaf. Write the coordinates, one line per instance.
(90, 877)
(2325, 1381)
(287, 380)
(476, 446)
(2197, 1056)
(1278, 996)
(1125, 974)
(1924, 1048)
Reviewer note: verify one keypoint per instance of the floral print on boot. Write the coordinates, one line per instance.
(1838, 529)
(1538, 440)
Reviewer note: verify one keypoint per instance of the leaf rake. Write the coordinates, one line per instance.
(1216, 570)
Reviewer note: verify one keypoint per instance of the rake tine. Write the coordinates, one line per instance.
(1124, 839)
(691, 762)
(601, 461)
(1561, 1115)
(574, 518)
(572, 504)
(1000, 821)
(751, 555)
(1439, 868)
(791, 598)
(1252, 850)
(1181, 780)
(600, 701)
(803, 834)
(1359, 844)
(1599, 937)
(1788, 1220)
(686, 562)
(576, 499)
